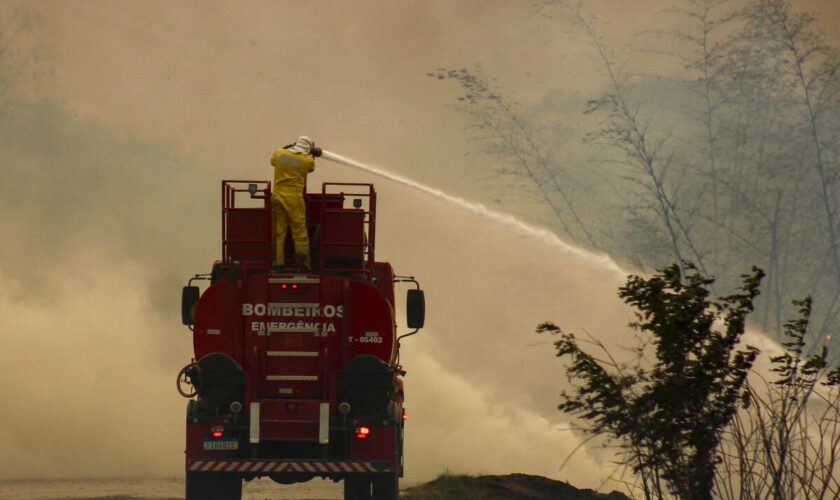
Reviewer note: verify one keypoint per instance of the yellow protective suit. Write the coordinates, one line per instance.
(287, 206)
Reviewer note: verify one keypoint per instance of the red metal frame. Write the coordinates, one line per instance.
(368, 247)
(230, 189)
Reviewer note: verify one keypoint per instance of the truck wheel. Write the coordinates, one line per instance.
(386, 486)
(210, 486)
(357, 487)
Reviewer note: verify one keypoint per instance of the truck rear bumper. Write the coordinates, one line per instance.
(263, 466)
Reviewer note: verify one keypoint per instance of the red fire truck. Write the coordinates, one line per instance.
(296, 374)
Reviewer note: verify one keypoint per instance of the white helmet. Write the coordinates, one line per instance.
(302, 146)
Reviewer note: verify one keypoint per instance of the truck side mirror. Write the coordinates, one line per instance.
(415, 309)
(189, 299)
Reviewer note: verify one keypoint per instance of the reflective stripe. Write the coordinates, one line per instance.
(293, 378)
(303, 354)
(324, 426)
(266, 467)
(306, 305)
(290, 161)
(255, 423)
(294, 279)
(297, 329)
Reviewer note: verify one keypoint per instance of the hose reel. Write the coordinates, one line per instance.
(189, 375)
(217, 379)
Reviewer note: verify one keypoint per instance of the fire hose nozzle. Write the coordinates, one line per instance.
(316, 152)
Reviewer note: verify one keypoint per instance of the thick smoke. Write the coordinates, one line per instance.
(90, 308)
(487, 387)
(110, 195)
(88, 392)
(95, 230)
(458, 426)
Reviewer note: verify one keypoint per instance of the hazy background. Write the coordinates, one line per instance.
(125, 117)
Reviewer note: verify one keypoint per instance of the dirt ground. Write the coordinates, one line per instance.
(167, 488)
(507, 487)
(502, 487)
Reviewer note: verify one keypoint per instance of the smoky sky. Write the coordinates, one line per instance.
(112, 157)
(90, 312)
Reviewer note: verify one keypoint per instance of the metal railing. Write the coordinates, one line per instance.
(359, 193)
(249, 236)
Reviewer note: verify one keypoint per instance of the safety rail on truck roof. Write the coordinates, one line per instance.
(343, 237)
(246, 231)
(348, 235)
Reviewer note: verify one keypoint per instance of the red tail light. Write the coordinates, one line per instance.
(362, 432)
(217, 431)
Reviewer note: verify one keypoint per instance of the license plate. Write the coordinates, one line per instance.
(221, 444)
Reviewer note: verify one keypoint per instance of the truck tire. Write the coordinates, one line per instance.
(357, 487)
(386, 486)
(213, 486)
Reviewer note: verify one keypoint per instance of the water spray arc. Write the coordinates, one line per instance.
(479, 209)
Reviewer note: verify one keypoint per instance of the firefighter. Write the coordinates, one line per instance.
(291, 166)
